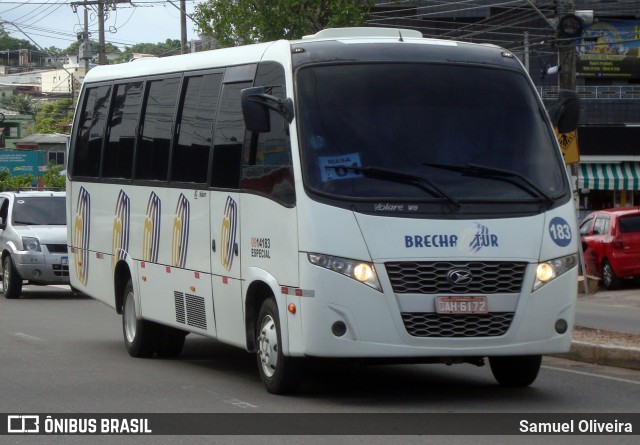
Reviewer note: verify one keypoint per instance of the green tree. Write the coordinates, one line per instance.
(10, 182)
(167, 48)
(21, 103)
(55, 117)
(238, 22)
(75, 47)
(52, 178)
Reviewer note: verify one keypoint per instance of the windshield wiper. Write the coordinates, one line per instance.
(401, 177)
(501, 174)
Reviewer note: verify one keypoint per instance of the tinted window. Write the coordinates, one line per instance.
(190, 157)
(86, 161)
(405, 116)
(152, 154)
(629, 224)
(118, 156)
(228, 137)
(39, 211)
(266, 164)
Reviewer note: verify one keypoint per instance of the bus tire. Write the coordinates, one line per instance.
(11, 280)
(279, 373)
(140, 336)
(515, 371)
(170, 341)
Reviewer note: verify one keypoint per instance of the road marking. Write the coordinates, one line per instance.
(617, 379)
(224, 398)
(27, 337)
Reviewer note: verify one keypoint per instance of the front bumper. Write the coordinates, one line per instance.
(42, 268)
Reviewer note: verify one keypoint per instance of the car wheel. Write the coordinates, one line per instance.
(140, 336)
(11, 280)
(609, 278)
(279, 373)
(515, 371)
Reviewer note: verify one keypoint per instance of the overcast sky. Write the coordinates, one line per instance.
(54, 22)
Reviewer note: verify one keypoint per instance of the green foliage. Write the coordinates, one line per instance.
(51, 179)
(75, 47)
(9, 182)
(238, 22)
(10, 43)
(21, 103)
(168, 48)
(55, 117)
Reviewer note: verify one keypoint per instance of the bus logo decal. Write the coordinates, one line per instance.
(476, 237)
(229, 227)
(151, 235)
(81, 235)
(120, 238)
(180, 232)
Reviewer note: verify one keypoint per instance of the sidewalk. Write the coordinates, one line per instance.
(610, 347)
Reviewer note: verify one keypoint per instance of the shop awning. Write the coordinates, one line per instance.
(623, 176)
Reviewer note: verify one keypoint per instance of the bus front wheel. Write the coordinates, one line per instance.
(139, 335)
(515, 371)
(279, 373)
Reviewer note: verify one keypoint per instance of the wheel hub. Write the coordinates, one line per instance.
(130, 321)
(268, 346)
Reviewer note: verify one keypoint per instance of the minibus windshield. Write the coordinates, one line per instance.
(447, 132)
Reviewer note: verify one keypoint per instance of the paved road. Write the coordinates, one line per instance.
(617, 310)
(64, 354)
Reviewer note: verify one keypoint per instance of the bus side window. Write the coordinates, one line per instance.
(152, 151)
(88, 144)
(123, 123)
(228, 138)
(267, 167)
(190, 157)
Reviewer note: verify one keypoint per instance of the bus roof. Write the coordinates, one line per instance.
(254, 53)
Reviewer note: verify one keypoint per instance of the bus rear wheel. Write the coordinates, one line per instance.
(515, 371)
(279, 373)
(140, 336)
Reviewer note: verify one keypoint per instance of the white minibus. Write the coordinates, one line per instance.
(361, 193)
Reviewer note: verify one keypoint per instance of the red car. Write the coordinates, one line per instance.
(611, 242)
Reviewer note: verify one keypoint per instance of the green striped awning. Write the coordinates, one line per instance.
(623, 176)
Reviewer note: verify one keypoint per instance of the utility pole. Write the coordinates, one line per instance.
(566, 46)
(183, 27)
(102, 59)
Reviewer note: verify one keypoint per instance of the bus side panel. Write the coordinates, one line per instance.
(90, 262)
(171, 233)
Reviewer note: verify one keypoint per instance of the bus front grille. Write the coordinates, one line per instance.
(433, 277)
(429, 324)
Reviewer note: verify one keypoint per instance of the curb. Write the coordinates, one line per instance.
(602, 354)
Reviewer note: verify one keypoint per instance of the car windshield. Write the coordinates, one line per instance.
(39, 211)
(471, 133)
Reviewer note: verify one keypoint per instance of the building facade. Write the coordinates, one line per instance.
(607, 72)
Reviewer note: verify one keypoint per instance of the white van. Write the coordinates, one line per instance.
(360, 193)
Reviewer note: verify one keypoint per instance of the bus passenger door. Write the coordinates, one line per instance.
(228, 137)
(225, 264)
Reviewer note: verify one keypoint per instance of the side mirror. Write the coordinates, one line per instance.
(256, 104)
(565, 114)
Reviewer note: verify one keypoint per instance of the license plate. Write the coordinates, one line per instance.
(461, 305)
(65, 260)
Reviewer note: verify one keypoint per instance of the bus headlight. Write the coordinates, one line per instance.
(361, 271)
(31, 244)
(549, 270)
